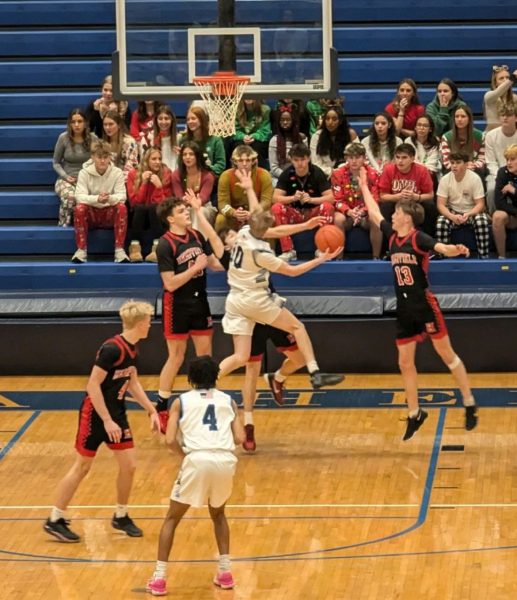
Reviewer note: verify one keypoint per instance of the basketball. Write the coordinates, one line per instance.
(329, 237)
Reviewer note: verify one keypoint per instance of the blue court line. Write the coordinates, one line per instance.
(19, 433)
(424, 508)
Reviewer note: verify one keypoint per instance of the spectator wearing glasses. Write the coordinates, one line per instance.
(500, 93)
(234, 211)
(427, 147)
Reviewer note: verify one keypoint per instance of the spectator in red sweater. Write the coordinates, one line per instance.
(147, 186)
(405, 108)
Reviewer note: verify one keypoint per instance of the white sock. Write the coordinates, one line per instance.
(414, 413)
(225, 563)
(248, 417)
(56, 514)
(120, 510)
(160, 571)
(279, 377)
(312, 366)
(469, 401)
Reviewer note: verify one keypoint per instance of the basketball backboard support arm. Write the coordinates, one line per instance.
(158, 55)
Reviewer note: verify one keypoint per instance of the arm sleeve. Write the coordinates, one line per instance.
(266, 189)
(386, 228)
(218, 158)
(267, 260)
(135, 196)
(82, 194)
(207, 184)
(445, 152)
(424, 241)
(118, 195)
(274, 166)
(223, 195)
(263, 131)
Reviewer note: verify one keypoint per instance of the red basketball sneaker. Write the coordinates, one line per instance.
(163, 415)
(249, 443)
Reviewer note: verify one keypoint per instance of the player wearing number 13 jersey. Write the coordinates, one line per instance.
(418, 311)
(210, 428)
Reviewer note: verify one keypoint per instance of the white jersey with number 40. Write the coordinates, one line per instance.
(251, 262)
(205, 422)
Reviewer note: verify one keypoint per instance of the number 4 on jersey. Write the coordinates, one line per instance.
(209, 418)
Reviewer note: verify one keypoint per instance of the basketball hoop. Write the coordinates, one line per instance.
(222, 93)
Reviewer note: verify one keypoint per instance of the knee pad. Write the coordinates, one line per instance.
(456, 362)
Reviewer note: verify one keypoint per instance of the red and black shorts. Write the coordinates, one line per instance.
(283, 341)
(180, 320)
(91, 433)
(418, 319)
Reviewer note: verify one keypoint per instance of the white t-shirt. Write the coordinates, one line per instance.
(251, 262)
(206, 418)
(460, 195)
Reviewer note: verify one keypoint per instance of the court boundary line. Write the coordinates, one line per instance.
(5, 450)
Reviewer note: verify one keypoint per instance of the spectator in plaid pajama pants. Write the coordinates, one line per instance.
(461, 201)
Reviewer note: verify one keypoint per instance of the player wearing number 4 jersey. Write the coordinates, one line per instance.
(210, 428)
(418, 311)
(102, 419)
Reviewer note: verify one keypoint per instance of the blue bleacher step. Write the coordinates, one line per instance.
(51, 240)
(29, 205)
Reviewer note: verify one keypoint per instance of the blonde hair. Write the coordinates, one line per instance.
(243, 150)
(260, 221)
(511, 151)
(144, 166)
(100, 148)
(134, 311)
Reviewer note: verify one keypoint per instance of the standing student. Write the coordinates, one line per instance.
(103, 419)
(418, 312)
(183, 255)
(210, 427)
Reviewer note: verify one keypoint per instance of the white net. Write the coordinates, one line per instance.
(221, 95)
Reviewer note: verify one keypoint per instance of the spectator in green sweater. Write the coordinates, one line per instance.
(253, 128)
(441, 109)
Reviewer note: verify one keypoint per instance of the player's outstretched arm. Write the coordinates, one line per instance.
(374, 212)
(284, 230)
(204, 226)
(452, 249)
(172, 428)
(137, 392)
(301, 268)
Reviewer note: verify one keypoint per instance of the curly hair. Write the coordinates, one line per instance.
(333, 144)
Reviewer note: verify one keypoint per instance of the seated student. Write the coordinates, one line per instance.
(97, 109)
(427, 147)
(329, 142)
(407, 180)
(286, 136)
(464, 137)
(253, 128)
(73, 148)
(405, 108)
(505, 215)
(349, 203)
(381, 141)
(500, 94)
(124, 149)
(445, 102)
(147, 186)
(193, 174)
(298, 111)
(232, 200)
(101, 198)
(142, 123)
(461, 201)
(165, 135)
(496, 142)
(316, 108)
(302, 192)
(211, 146)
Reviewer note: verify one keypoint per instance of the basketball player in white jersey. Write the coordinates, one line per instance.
(207, 419)
(250, 299)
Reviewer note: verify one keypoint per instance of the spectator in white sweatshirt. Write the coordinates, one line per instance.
(101, 197)
(496, 142)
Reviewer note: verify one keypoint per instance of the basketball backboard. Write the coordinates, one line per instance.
(284, 46)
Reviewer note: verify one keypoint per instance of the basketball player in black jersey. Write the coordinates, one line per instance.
(183, 255)
(103, 419)
(418, 312)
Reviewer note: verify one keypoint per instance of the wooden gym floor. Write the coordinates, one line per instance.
(333, 505)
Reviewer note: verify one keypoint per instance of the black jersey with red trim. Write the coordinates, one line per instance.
(117, 357)
(177, 253)
(410, 261)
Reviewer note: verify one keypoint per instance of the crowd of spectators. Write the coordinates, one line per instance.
(114, 166)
